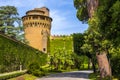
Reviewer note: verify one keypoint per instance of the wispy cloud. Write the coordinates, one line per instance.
(59, 19)
(64, 24)
(22, 3)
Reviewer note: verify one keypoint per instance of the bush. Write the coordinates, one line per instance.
(35, 69)
(32, 67)
(38, 73)
(115, 64)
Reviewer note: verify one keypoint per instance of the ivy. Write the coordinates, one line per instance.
(14, 53)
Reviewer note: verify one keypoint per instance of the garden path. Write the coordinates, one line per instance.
(74, 75)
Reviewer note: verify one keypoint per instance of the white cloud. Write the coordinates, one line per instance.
(59, 19)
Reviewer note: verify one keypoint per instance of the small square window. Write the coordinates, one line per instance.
(44, 49)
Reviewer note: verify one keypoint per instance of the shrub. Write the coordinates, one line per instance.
(115, 64)
(35, 69)
(38, 73)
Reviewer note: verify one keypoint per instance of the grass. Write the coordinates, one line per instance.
(14, 72)
(5, 76)
(96, 76)
(25, 77)
(93, 76)
(32, 77)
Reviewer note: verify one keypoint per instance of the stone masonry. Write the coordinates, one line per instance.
(37, 27)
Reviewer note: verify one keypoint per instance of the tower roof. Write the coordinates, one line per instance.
(38, 11)
(42, 8)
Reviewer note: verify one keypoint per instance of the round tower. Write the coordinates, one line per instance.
(37, 26)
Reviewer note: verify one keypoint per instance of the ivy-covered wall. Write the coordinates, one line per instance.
(63, 42)
(14, 54)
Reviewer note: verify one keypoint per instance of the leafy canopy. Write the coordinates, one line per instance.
(8, 16)
(82, 13)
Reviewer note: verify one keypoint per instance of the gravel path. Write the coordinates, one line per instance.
(75, 75)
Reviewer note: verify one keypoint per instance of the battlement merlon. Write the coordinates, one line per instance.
(38, 11)
(59, 36)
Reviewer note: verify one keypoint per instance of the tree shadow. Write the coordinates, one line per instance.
(76, 74)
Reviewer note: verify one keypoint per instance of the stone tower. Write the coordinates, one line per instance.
(37, 26)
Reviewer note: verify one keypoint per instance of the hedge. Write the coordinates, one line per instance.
(11, 75)
(14, 53)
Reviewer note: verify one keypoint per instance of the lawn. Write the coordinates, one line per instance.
(96, 76)
(24, 77)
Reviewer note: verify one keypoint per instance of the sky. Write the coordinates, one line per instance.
(62, 12)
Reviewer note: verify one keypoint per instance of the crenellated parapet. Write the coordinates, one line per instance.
(39, 17)
(59, 36)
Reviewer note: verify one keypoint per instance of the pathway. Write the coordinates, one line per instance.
(75, 75)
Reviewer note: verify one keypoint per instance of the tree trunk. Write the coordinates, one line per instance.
(103, 64)
(93, 65)
(89, 63)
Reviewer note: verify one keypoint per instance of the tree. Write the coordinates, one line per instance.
(78, 41)
(108, 20)
(103, 22)
(108, 24)
(8, 16)
(61, 59)
(85, 9)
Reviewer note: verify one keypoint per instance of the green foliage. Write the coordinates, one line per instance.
(14, 54)
(79, 61)
(33, 66)
(8, 16)
(61, 43)
(115, 61)
(82, 13)
(103, 33)
(108, 20)
(11, 75)
(78, 41)
(62, 56)
(95, 76)
(35, 69)
(61, 53)
(61, 59)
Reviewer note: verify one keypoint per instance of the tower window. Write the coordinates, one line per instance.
(29, 17)
(34, 17)
(35, 24)
(44, 49)
(43, 18)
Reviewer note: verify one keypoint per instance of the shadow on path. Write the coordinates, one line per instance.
(75, 75)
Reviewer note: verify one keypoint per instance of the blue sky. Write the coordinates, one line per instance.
(62, 12)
